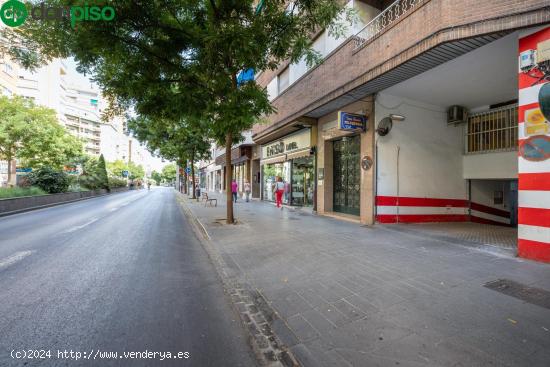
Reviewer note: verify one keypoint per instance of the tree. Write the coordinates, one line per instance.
(117, 168)
(102, 173)
(169, 172)
(136, 171)
(94, 175)
(157, 177)
(180, 59)
(33, 135)
(182, 140)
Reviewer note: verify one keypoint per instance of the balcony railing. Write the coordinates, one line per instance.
(389, 15)
(493, 131)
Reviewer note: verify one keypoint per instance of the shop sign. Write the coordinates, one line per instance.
(351, 121)
(288, 144)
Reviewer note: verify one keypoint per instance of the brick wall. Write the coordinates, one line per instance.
(431, 23)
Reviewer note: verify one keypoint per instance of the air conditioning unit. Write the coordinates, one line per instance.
(456, 115)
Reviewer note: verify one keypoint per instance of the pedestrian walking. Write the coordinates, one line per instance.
(234, 189)
(247, 190)
(279, 191)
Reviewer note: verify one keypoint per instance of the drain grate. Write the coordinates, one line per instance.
(535, 296)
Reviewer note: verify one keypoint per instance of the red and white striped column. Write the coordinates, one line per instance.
(534, 161)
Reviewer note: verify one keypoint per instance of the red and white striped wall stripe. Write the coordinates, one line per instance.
(393, 209)
(533, 177)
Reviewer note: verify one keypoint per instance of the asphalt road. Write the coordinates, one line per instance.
(120, 273)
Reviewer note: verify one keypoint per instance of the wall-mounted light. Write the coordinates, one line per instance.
(385, 125)
(396, 118)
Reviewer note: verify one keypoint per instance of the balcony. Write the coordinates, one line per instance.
(386, 18)
(408, 38)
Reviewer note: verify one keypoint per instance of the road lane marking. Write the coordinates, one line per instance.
(18, 256)
(76, 228)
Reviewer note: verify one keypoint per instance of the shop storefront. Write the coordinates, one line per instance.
(291, 159)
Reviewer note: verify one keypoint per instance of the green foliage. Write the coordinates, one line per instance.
(177, 61)
(181, 140)
(94, 175)
(14, 192)
(50, 180)
(169, 173)
(136, 172)
(157, 177)
(32, 135)
(102, 173)
(115, 182)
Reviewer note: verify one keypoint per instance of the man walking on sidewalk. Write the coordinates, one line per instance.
(234, 189)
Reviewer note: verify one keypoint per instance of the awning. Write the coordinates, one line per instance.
(298, 154)
(241, 159)
(278, 159)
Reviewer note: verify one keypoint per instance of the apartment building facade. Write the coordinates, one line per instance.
(435, 83)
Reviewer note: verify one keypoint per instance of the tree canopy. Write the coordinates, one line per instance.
(117, 168)
(169, 173)
(181, 141)
(33, 135)
(179, 59)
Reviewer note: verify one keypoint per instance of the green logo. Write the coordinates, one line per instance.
(13, 13)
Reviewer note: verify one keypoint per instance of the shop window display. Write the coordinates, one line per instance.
(302, 181)
(269, 176)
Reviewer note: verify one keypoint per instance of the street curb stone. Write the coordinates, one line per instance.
(45, 206)
(254, 311)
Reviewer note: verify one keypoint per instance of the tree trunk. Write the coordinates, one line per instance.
(185, 178)
(193, 178)
(9, 172)
(229, 178)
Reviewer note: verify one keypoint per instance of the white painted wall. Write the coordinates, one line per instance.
(272, 89)
(430, 151)
(501, 165)
(483, 192)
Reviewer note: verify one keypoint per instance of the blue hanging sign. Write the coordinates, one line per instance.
(351, 121)
(245, 76)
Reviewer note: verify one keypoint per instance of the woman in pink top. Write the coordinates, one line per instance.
(234, 189)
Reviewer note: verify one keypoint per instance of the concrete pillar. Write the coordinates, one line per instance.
(368, 176)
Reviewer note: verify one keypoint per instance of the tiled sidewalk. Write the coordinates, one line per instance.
(498, 236)
(349, 295)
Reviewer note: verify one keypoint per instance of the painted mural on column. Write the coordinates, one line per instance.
(534, 146)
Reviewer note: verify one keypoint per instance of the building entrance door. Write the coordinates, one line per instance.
(347, 175)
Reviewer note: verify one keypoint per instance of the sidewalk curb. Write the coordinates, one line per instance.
(254, 311)
(33, 208)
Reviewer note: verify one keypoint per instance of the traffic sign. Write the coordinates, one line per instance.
(188, 170)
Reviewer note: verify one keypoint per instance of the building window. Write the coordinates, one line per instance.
(283, 80)
(7, 68)
(493, 130)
